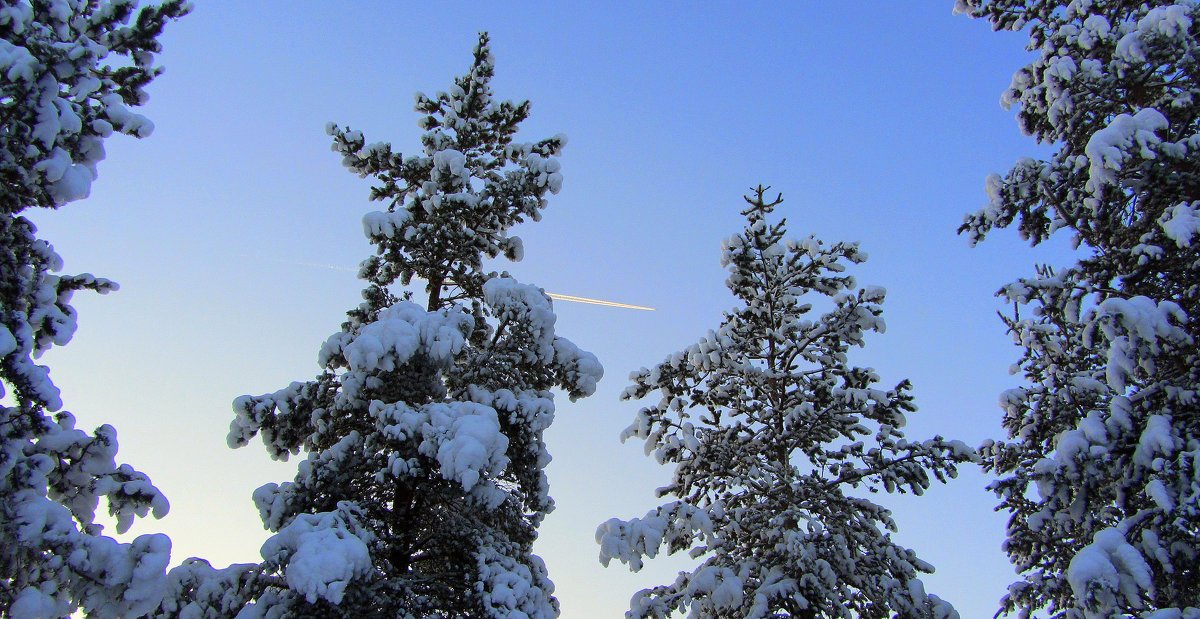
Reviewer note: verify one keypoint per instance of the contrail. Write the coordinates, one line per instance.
(575, 299)
(552, 295)
(331, 267)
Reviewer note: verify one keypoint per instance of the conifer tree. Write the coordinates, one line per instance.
(71, 71)
(1101, 469)
(775, 437)
(423, 482)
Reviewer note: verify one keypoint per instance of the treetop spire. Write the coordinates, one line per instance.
(759, 205)
(451, 205)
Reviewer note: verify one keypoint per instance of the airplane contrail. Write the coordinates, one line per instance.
(553, 295)
(331, 267)
(575, 299)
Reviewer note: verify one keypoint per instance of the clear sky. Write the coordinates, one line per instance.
(234, 231)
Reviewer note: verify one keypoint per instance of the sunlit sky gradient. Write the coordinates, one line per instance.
(233, 230)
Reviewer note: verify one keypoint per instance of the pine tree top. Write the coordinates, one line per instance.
(451, 206)
(760, 207)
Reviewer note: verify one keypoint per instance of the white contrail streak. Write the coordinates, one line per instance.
(552, 295)
(575, 299)
(331, 267)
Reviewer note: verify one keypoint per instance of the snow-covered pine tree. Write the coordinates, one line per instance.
(774, 436)
(71, 71)
(1101, 469)
(424, 481)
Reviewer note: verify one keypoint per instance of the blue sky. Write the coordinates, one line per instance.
(233, 230)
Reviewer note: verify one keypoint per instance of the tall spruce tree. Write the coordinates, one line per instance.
(71, 71)
(1101, 469)
(775, 436)
(424, 480)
